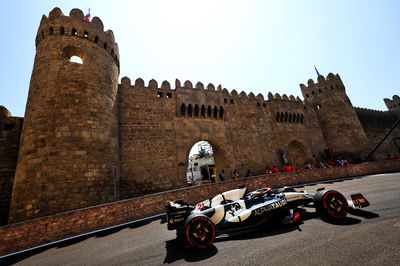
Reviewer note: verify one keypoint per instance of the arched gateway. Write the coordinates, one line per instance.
(159, 126)
(298, 154)
(205, 164)
(87, 139)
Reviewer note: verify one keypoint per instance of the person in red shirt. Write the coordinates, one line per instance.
(275, 169)
(268, 170)
(287, 168)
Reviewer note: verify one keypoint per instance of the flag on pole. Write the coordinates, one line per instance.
(87, 17)
(317, 71)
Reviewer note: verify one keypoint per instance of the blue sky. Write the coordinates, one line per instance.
(252, 46)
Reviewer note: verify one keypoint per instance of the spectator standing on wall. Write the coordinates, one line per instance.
(222, 175)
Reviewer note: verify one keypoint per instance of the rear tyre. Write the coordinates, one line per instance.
(199, 231)
(331, 205)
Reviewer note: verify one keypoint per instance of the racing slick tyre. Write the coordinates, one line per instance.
(331, 205)
(199, 231)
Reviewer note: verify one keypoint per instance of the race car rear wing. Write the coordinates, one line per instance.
(177, 211)
(358, 201)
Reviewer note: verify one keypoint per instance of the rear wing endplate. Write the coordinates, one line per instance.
(358, 201)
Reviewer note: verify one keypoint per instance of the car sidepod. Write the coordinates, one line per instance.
(249, 213)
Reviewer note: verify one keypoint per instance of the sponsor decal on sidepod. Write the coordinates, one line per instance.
(270, 207)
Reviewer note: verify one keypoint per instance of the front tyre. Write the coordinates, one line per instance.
(199, 231)
(331, 205)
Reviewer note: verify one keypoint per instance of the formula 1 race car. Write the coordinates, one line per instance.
(237, 209)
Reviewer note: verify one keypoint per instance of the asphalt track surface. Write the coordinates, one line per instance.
(368, 237)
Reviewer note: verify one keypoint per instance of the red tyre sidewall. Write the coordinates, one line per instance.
(188, 229)
(343, 199)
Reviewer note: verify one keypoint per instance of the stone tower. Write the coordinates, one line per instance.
(393, 105)
(338, 120)
(68, 156)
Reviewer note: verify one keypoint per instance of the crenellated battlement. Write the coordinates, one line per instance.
(375, 117)
(4, 112)
(139, 83)
(393, 104)
(284, 97)
(223, 93)
(373, 113)
(331, 83)
(74, 26)
(209, 102)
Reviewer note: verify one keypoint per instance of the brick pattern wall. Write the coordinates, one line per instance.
(31, 233)
(376, 125)
(6, 185)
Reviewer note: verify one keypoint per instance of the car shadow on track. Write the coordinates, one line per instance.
(176, 251)
(363, 213)
(345, 221)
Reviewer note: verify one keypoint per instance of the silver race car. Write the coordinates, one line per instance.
(238, 209)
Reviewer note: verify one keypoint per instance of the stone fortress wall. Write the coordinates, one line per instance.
(9, 144)
(377, 123)
(87, 140)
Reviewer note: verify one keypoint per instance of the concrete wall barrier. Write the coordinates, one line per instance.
(19, 236)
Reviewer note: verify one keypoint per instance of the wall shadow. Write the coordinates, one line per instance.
(15, 258)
